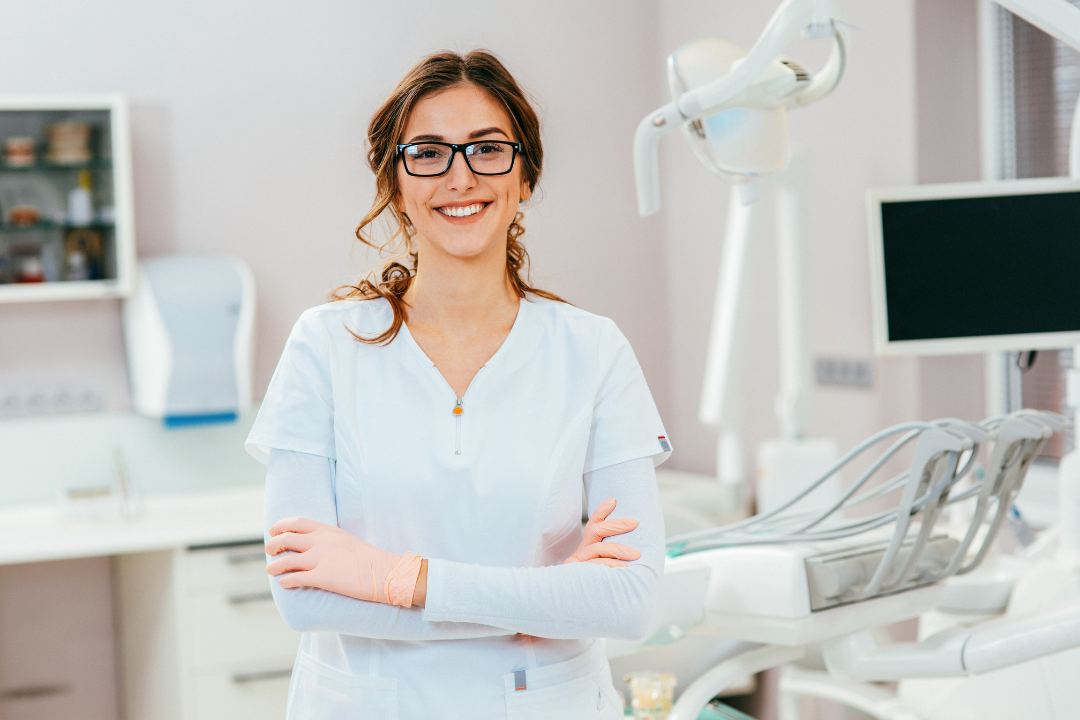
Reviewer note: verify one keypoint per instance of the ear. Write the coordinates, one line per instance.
(526, 191)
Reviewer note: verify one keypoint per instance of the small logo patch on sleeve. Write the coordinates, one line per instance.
(664, 444)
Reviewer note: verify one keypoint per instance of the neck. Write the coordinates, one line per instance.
(461, 296)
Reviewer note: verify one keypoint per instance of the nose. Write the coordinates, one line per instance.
(460, 176)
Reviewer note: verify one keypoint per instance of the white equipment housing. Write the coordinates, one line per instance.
(188, 332)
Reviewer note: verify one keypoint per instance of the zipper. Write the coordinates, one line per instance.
(459, 410)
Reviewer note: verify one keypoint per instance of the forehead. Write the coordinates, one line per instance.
(455, 112)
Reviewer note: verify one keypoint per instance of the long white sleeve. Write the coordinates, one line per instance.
(302, 485)
(579, 600)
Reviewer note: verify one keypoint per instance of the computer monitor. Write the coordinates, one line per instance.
(975, 267)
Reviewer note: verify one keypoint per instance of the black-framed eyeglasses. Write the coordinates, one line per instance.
(484, 157)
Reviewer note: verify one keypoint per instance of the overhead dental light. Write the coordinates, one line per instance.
(732, 105)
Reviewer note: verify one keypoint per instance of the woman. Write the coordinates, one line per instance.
(448, 409)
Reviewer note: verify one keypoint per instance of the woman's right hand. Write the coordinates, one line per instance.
(593, 550)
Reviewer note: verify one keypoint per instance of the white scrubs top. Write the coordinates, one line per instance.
(497, 485)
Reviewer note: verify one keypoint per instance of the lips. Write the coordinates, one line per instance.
(463, 210)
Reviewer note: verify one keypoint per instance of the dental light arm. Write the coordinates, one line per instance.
(748, 84)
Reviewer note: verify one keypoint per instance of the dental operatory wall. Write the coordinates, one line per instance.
(249, 119)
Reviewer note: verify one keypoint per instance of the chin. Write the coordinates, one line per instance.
(463, 247)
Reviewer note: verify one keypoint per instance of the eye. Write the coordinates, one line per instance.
(426, 153)
(487, 148)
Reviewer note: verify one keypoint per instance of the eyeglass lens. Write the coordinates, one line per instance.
(484, 158)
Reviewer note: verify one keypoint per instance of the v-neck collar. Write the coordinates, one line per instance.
(506, 348)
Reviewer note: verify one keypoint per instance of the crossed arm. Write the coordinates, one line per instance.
(576, 600)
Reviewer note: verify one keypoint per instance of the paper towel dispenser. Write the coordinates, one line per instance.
(188, 331)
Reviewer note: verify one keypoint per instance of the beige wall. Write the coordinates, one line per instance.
(248, 126)
(947, 78)
(248, 122)
(862, 136)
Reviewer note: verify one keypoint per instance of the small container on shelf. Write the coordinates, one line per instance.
(80, 202)
(27, 262)
(69, 143)
(20, 151)
(23, 215)
(76, 267)
(88, 245)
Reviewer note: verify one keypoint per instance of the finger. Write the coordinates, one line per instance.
(607, 561)
(291, 563)
(297, 542)
(602, 511)
(606, 550)
(294, 524)
(609, 528)
(598, 516)
(298, 580)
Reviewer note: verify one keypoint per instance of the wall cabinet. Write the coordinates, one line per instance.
(67, 227)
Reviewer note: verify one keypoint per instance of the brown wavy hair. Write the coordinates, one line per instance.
(431, 75)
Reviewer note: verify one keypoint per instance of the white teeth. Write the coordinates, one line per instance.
(463, 211)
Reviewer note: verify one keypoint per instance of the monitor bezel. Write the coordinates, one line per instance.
(961, 345)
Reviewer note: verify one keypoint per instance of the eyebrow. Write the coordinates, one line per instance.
(472, 136)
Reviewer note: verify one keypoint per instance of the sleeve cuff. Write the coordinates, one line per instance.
(259, 446)
(435, 603)
(659, 450)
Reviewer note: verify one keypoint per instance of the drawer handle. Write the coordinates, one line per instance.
(242, 678)
(245, 598)
(245, 558)
(34, 691)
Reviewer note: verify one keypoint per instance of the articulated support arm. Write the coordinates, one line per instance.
(957, 651)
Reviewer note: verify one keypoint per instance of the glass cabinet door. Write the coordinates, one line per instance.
(65, 198)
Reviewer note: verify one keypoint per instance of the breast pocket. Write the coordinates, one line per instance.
(550, 695)
(320, 692)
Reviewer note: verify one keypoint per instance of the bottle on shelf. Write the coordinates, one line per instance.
(80, 202)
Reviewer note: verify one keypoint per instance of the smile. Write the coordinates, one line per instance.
(464, 210)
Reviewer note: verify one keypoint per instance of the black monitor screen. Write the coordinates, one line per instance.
(970, 267)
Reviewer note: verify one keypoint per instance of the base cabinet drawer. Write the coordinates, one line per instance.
(224, 566)
(256, 695)
(229, 628)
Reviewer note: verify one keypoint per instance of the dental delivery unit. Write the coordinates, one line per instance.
(802, 574)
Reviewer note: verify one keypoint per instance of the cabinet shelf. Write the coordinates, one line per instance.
(61, 290)
(96, 164)
(48, 225)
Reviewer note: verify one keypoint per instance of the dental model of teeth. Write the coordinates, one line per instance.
(464, 211)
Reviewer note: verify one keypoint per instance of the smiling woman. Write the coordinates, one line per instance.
(432, 96)
(429, 435)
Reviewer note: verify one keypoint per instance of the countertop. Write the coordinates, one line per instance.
(188, 486)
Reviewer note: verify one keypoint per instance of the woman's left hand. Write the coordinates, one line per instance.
(592, 549)
(327, 557)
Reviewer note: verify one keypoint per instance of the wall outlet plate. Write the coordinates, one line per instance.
(844, 371)
(21, 400)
